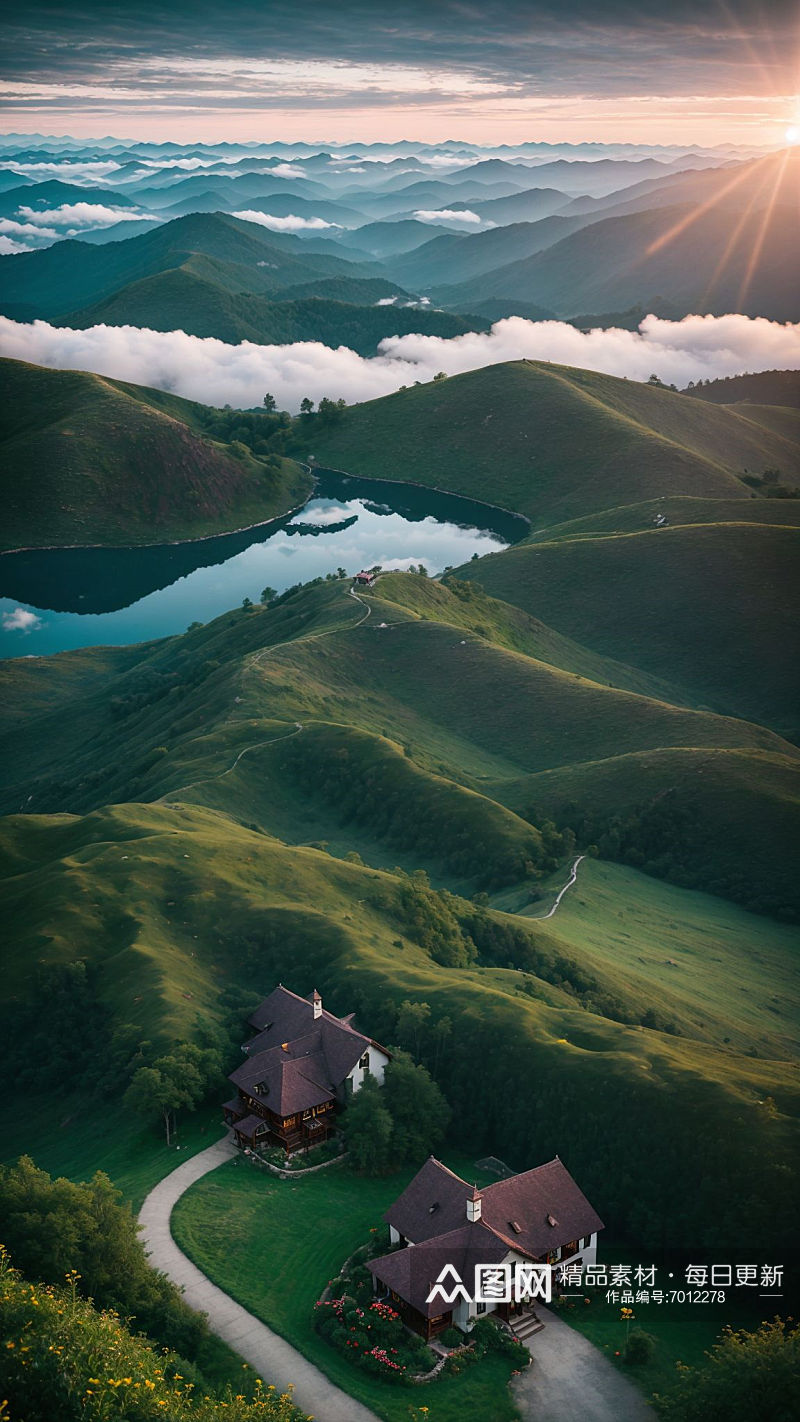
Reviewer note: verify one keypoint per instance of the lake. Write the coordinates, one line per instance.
(52, 600)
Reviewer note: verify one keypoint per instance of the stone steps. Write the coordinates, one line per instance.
(525, 1326)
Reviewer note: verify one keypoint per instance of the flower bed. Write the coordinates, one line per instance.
(374, 1337)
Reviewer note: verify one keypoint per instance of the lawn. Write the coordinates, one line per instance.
(83, 1135)
(283, 1240)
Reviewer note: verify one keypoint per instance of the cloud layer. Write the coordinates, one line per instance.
(697, 348)
(290, 223)
(448, 214)
(84, 215)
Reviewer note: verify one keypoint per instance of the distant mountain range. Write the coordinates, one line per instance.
(212, 250)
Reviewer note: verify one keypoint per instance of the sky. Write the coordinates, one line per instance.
(489, 71)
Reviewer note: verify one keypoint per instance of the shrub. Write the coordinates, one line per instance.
(639, 1347)
(452, 1338)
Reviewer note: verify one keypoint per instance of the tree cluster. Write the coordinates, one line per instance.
(398, 1123)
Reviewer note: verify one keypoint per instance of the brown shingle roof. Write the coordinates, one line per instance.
(290, 1080)
(286, 1017)
(516, 1210)
(412, 1272)
(248, 1125)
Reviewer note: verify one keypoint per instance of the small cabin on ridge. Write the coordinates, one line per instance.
(364, 579)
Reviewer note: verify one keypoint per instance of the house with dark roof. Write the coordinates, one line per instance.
(540, 1216)
(299, 1069)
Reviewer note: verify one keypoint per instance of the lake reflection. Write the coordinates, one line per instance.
(52, 600)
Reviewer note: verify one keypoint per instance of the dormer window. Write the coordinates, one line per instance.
(433, 1208)
(552, 1221)
(516, 1226)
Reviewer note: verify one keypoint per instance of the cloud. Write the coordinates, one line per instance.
(205, 369)
(285, 170)
(12, 228)
(446, 160)
(285, 224)
(87, 171)
(448, 214)
(20, 620)
(10, 248)
(84, 214)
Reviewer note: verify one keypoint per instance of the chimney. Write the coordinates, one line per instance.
(317, 1001)
(474, 1200)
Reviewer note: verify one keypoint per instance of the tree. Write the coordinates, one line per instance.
(746, 1375)
(367, 1128)
(267, 594)
(247, 602)
(440, 375)
(51, 1226)
(306, 406)
(173, 1081)
(270, 404)
(419, 1113)
(412, 1018)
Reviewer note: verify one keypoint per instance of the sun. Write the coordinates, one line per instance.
(793, 133)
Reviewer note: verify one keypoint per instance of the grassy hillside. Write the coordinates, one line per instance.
(185, 299)
(212, 718)
(708, 606)
(178, 911)
(88, 460)
(552, 442)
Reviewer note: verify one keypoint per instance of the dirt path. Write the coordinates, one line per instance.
(170, 795)
(571, 880)
(274, 1360)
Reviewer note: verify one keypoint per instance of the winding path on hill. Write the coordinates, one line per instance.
(169, 795)
(274, 1360)
(570, 881)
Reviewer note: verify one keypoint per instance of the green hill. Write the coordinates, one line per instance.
(553, 442)
(90, 460)
(238, 256)
(427, 682)
(710, 607)
(189, 298)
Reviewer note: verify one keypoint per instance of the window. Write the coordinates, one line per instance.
(364, 1062)
(307, 1115)
(480, 1308)
(586, 1241)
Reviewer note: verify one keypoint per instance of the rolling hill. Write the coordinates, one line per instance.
(709, 606)
(189, 298)
(238, 256)
(553, 442)
(238, 806)
(89, 460)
